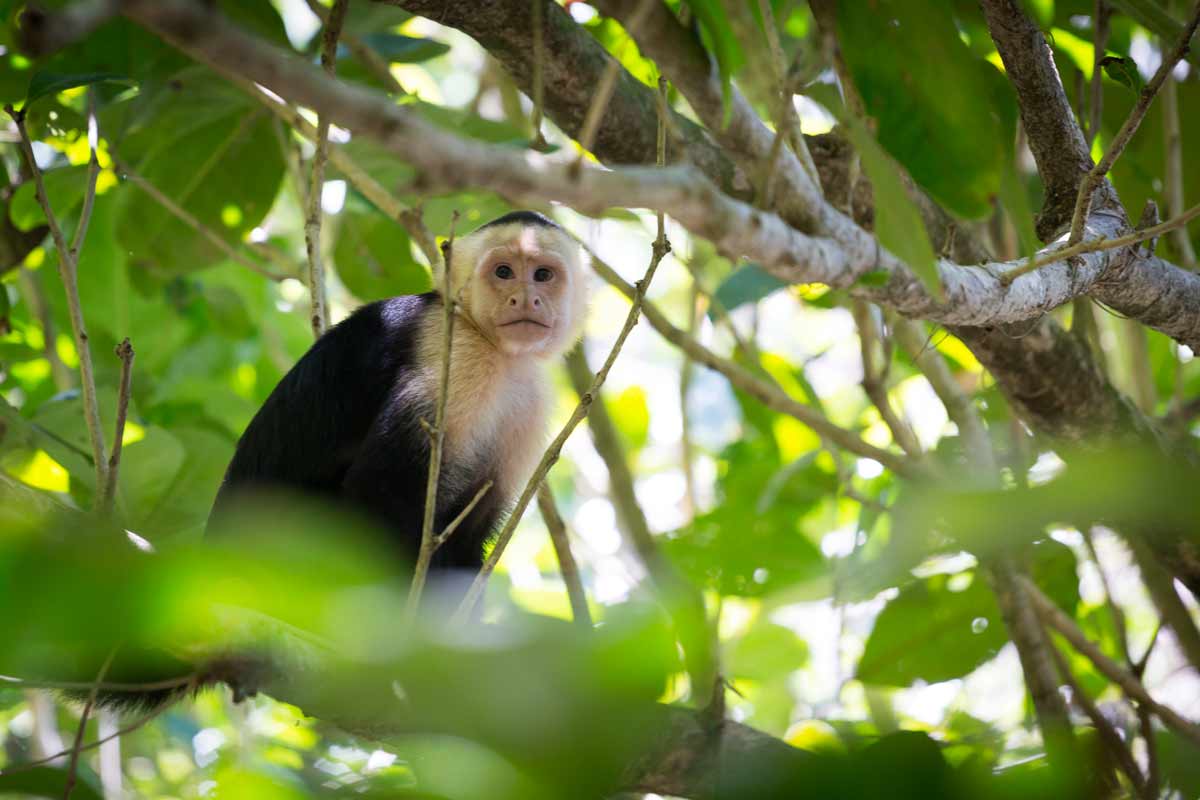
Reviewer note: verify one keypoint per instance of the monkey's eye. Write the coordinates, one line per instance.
(504, 272)
(543, 274)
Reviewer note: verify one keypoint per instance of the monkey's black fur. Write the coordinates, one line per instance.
(340, 427)
(344, 427)
(522, 218)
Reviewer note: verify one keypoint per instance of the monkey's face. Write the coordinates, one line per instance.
(523, 289)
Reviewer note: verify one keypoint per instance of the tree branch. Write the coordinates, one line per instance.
(1062, 155)
(437, 435)
(1095, 175)
(319, 315)
(1129, 683)
(125, 353)
(566, 560)
(874, 379)
(573, 63)
(68, 270)
(976, 296)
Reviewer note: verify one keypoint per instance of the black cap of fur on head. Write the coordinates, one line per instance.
(522, 218)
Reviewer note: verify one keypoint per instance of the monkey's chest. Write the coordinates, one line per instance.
(495, 433)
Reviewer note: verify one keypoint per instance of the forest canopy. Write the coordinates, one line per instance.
(872, 475)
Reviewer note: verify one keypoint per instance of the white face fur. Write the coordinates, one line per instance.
(524, 286)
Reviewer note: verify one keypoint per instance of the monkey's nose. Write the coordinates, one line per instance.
(537, 302)
(512, 301)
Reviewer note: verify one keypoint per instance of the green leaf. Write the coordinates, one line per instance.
(715, 24)
(1124, 71)
(744, 546)
(235, 169)
(631, 413)
(898, 222)
(374, 259)
(1180, 767)
(64, 188)
(749, 284)
(47, 83)
(400, 49)
(875, 278)
(148, 468)
(932, 633)
(765, 651)
(50, 782)
(944, 113)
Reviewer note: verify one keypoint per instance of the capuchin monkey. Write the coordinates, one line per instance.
(345, 424)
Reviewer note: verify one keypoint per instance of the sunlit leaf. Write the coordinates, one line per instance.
(933, 631)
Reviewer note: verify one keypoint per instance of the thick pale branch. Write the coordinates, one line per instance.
(975, 294)
(571, 69)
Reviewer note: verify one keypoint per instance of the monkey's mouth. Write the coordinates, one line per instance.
(525, 321)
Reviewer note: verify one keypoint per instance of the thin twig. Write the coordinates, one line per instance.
(873, 382)
(788, 123)
(1110, 600)
(1100, 16)
(115, 735)
(1128, 682)
(187, 218)
(373, 190)
(1033, 649)
(766, 392)
(362, 52)
(125, 353)
(1096, 174)
(1113, 743)
(319, 314)
(449, 530)
(437, 434)
(73, 763)
(686, 370)
(539, 80)
(68, 271)
(1160, 585)
(660, 249)
(1173, 171)
(1100, 244)
(566, 561)
(89, 196)
(104, 686)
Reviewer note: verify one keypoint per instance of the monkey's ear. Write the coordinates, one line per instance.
(457, 255)
(580, 294)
